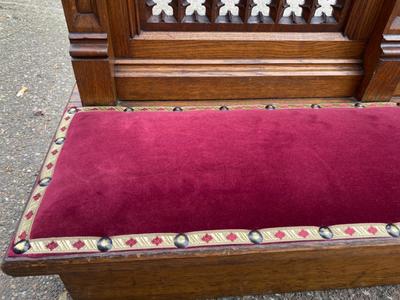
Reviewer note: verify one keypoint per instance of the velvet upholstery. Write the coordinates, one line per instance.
(144, 172)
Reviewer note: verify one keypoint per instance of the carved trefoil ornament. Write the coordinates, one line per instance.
(229, 11)
(162, 11)
(261, 11)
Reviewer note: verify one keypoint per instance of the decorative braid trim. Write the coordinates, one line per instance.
(241, 107)
(174, 240)
(206, 239)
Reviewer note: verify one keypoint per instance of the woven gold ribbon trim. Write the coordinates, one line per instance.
(207, 239)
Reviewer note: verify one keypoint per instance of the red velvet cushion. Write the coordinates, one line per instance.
(170, 172)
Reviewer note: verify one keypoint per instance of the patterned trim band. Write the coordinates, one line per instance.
(24, 245)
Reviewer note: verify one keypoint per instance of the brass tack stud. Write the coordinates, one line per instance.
(255, 237)
(45, 181)
(326, 233)
(315, 106)
(60, 141)
(177, 108)
(104, 244)
(181, 241)
(393, 230)
(21, 247)
(129, 109)
(359, 105)
(270, 107)
(224, 108)
(72, 110)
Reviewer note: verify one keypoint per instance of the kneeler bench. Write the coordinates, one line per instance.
(141, 200)
(201, 201)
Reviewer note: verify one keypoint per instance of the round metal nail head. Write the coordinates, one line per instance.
(21, 247)
(181, 241)
(45, 181)
(60, 141)
(104, 244)
(255, 237)
(393, 230)
(326, 233)
(72, 110)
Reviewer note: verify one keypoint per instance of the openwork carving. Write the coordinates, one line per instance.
(324, 11)
(162, 7)
(195, 7)
(325, 8)
(229, 11)
(195, 11)
(262, 12)
(261, 7)
(293, 8)
(162, 11)
(229, 7)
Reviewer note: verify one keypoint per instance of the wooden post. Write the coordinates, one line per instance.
(88, 27)
(382, 56)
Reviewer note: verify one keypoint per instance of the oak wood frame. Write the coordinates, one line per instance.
(195, 274)
(115, 58)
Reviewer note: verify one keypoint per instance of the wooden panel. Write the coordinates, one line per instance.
(222, 79)
(241, 275)
(95, 81)
(250, 46)
(223, 272)
(397, 91)
(83, 16)
(363, 17)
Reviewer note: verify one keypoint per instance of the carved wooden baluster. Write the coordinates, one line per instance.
(245, 7)
(179, 7)
(309, 9)
(277, 9)
(149, 4)
(338, 9)
(212, 10)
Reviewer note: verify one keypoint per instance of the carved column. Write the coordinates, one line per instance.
(88, 26)
(382, 57)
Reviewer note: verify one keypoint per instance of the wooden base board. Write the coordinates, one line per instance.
(221, 272)
(236, 79)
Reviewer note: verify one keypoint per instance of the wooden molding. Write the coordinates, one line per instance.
(88, 45)
(90, 51)
(236, 79)
(382, 57)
